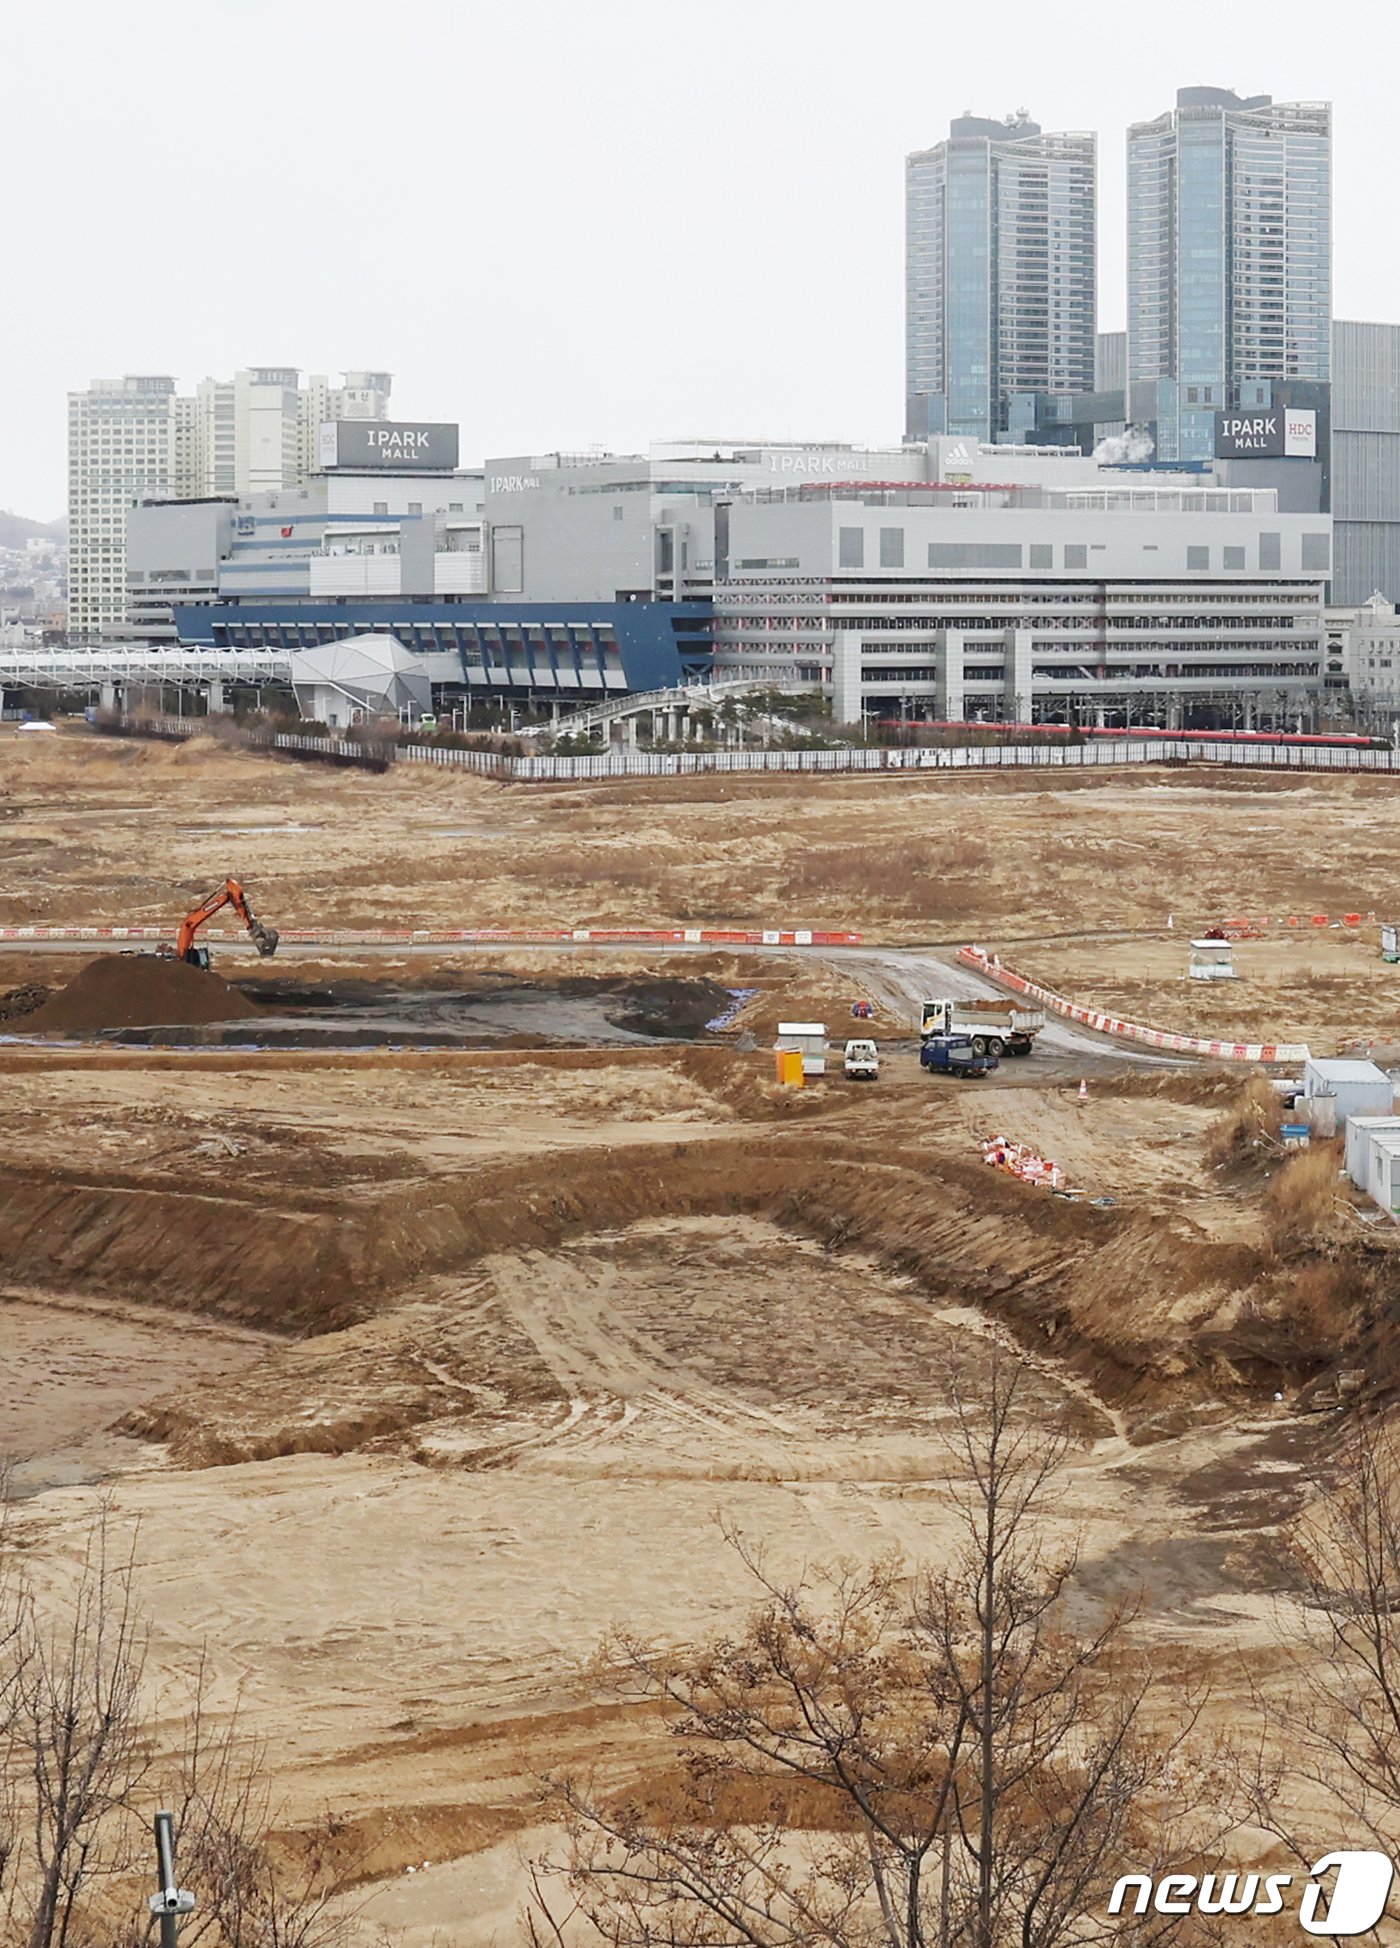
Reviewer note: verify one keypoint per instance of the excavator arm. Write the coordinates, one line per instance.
(229, 894)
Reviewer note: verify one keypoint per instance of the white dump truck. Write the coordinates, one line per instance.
(994, 1027)
(861, 1061)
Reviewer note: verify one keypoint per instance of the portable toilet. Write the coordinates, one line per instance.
(788, 1066)
(1355, 1088)
(809, 1038)
(1212, 960)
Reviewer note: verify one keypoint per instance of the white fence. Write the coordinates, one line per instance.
(627, 763)
(984, 757)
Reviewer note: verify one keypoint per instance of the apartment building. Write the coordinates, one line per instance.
(1229, 259)
(1000, 280)
(137, 438)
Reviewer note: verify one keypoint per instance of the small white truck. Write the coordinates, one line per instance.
(994, 1027)
(862, 1062)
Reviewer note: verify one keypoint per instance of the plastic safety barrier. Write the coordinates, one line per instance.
(1133, 1031)
(474, 936)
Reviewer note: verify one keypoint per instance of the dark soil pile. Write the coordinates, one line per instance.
(23, 1000)
(669, 1007)
(138, 991)
(660, 1005)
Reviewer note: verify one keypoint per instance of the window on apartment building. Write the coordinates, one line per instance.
(415, 507)
(1042, 555)
(1076, 554)
(851, 548)
(1317, 554)
(1271, 551)
(1234, 557)
(891, 547)
(381, 507)
(1197, 558)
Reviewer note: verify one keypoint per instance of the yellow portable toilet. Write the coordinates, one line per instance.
(809, 1040)
(789, 1067)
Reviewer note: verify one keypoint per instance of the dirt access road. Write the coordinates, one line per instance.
(899, 978)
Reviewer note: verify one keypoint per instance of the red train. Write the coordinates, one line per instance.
(1344, 740)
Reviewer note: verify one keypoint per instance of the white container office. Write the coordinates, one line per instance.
(810, 1038)
(1384, 1185)
(1360, 1132)
(1356, 1088)
(1212, 960)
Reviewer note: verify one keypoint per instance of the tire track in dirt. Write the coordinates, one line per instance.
(618, 1380)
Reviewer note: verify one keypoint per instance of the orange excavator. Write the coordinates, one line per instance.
(229, 894)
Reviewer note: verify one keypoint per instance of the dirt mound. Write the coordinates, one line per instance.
(682, 1008)
(138, 991)
(23, 1000)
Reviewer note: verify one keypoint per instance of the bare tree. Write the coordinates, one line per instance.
(76, 1754)
(82, 1770)
(894, 1760)
(1332, 1717)
(12, 1662)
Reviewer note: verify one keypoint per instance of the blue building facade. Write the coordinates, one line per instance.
(530, 653)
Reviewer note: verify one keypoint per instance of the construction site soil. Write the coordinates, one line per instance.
(136, 991)
(413, 1373)
(146, 1000)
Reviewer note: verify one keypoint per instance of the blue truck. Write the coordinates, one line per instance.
(954, 1055)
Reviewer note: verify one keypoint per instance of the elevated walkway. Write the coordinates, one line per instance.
(680, 701)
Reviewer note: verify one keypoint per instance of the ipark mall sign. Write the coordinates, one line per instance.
(1275, 433)
(388, 445)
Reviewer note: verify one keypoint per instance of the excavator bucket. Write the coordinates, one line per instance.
(264, 938)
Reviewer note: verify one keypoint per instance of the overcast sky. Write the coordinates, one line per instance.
(573, 222)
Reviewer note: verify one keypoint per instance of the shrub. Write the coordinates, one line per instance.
(1254, 1113)
(1300, 1201)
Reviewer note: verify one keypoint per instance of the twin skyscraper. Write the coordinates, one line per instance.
(1229, 299)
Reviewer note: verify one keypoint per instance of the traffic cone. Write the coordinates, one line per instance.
(1083, 1090)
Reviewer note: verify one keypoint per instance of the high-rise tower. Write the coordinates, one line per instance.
(1229, 258)
(1000, 273)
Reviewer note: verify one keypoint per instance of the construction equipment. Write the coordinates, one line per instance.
(229, 894)
(994, 1027)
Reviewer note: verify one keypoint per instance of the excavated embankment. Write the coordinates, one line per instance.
(1142, 1303)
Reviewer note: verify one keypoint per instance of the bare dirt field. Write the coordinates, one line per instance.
(1329, 988)
(415, 1371)
(121, 830)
